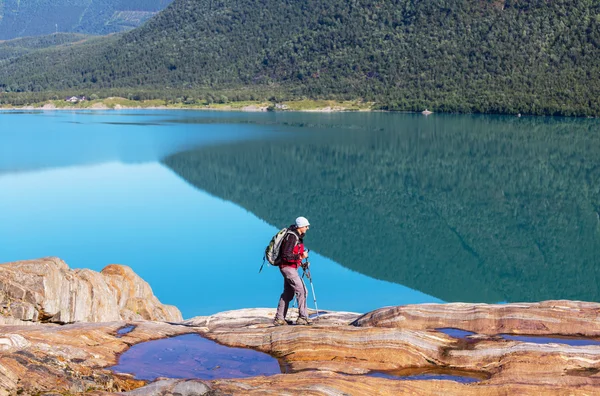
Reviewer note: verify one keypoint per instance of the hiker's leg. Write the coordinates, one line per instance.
(298, 289)
(286, 296)
(302, 300)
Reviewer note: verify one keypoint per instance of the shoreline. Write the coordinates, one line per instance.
(116, 103)
(189, 108)
(259, 107)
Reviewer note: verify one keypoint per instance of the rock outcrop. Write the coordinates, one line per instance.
(560, 317)
(70, 358)
(341, 353)
(330, 357)
(392, 340)
(46, 290)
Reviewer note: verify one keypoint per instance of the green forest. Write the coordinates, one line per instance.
(464, 209)
(512, 56)
(12, 49)
(20, 18)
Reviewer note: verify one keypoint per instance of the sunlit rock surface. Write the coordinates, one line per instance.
(70, 358)
(46, 290)
(263, 317)
(337, 354)
(391, 340)
(546, 317)
(330, 357)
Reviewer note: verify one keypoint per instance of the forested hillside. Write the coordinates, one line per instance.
(18, 47)
(20, 18)
(512, 56)
(461, 209)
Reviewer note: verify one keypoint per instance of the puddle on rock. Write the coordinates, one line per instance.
(192, 356)
(413, 374)
(125, 330)
(455, 333)
(537, 339)
(547, 340)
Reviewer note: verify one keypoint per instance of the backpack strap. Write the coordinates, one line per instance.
(278, 259)
(286, 234)
(293, 233)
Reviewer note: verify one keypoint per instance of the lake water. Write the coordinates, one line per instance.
(403, 208)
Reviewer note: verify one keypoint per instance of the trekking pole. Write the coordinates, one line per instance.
(306, 271)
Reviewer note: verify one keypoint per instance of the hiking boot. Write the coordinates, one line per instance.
(280, 322)
(303, 321)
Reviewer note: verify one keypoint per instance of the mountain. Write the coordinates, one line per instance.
(15, 48)
(511, 56)
(20, 18)
(461, 209)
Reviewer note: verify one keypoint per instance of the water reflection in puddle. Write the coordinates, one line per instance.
(548, 340)
(455, 333)
(191, 356)
(125, 330)
(572, 341)
(464, 377)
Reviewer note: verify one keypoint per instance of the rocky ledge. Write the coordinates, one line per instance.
(337, 355)
(46, 290)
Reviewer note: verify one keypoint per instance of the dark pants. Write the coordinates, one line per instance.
(292, 285)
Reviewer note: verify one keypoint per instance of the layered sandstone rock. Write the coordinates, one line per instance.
(413, 346)
(546, 317)
(135, 298)
(325, 383)
(71, 359)
(330, 357)
(46, 290)
(336, 355)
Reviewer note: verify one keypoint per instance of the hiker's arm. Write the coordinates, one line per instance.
(287, 249)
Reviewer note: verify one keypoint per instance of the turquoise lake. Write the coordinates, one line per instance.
(403, 208)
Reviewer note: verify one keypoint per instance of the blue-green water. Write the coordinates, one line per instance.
(403, 208)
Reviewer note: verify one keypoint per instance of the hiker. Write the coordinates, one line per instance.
(292, 253)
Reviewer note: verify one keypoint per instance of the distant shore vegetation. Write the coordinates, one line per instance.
(224, 100)
(531, 57)
(237, 100)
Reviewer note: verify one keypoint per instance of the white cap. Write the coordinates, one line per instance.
(302, 222)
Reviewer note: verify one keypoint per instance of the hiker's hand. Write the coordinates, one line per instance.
(304, 255)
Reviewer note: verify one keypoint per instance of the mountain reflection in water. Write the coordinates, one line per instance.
(483, 209)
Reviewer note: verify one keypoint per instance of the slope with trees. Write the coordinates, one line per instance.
(512, 56)
(19, 18)
(12, 49)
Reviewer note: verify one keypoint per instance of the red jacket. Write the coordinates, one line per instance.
(291, 248)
